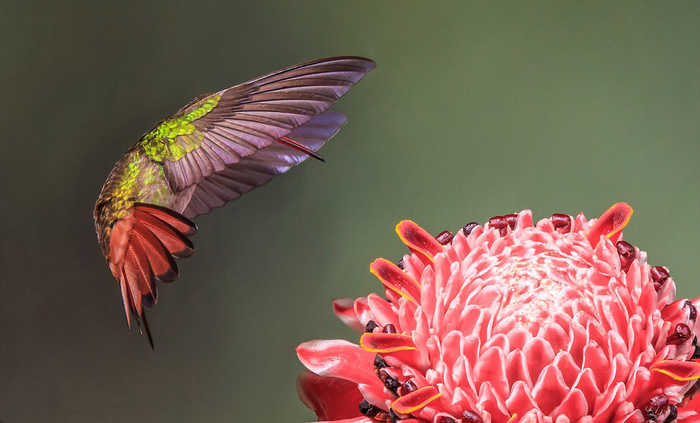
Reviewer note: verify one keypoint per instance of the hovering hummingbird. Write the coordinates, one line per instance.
(212, 151)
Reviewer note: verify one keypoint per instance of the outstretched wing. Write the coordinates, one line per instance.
(214, 134)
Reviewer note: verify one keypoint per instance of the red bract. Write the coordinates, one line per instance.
(561, 321)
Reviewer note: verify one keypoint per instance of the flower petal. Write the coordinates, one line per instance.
(678, 370)
(344, 308)
(574, 406)
(520, 400)
(550, 389)
(416, 400)
(418, 239)
(491, 367)
(610, 223)
(395, 279)
(690, 412)
(329, 397)
(386, 342)
(338, 358)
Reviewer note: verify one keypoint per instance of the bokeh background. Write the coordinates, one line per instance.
(475, 110)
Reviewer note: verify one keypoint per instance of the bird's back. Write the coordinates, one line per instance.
(134, 178)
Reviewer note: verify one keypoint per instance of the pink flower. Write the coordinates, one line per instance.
(561, 321)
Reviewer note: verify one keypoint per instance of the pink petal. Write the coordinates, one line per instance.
(587, 384)
(594, 359)
(568, 368)
(610, 223)
(338, 358)
(395, 279)
(330, 398)
(606, 405)
(520, 400)
(416, 400)
(386, 342)
(574, 405)
(382, 310)
(344, 308)
(538, 354)
(377, 395)
(418, 240)
(550, 389)
(690, 413)
(491, 368)
(678, 370)
(493, 403)
(516, 368)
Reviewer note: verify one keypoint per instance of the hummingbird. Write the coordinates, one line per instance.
(211, 151)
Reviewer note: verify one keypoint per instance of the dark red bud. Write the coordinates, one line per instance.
(511, 220)
(390, 382)
(498, 222)
(681, 334)
(368, 409)
(627, 254)
(469, 227)
(692, 311)
(444, 237)
(407, 387)
(470, 417)
(379, 362)
(655, 407)
(389, 328)
(561, 222)
(658, 401)
(401, 264)
(658, 275)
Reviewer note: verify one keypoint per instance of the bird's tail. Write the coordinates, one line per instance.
(142, 248)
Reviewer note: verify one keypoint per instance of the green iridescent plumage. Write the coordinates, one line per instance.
(134, 178)
(160, 144)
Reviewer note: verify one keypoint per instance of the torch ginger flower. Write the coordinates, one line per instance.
(559, 321)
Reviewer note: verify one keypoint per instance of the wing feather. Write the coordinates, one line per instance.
(254, 170)
(224, 128)
(216, 161)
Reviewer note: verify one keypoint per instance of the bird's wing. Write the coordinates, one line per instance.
(219, 131)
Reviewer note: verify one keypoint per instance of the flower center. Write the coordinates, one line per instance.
(535, 287)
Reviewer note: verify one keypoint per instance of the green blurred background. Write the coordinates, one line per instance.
(474, 110)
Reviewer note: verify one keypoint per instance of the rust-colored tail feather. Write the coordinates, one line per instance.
(172, 239)
(162, 263)
(172, 218)
(142, 247)
(138, 258)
